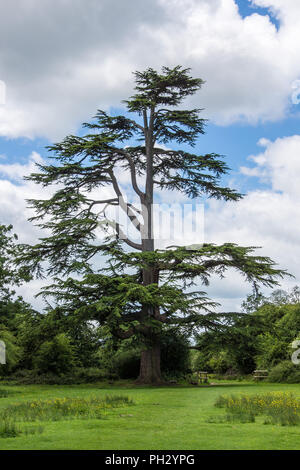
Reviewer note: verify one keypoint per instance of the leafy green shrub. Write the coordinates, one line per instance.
(285, 372)
(91, 375)
(220, 362)
(30, 377)
(56, 356)
(77, 376)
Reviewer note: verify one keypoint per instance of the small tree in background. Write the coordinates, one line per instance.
(141, 291)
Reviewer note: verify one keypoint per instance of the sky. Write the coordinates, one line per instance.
(61, 61)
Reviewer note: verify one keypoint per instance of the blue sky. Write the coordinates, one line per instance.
(246, 9)
(58, 69)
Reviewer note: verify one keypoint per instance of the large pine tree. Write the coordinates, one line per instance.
(142, 290)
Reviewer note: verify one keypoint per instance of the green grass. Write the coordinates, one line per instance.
(161, 418)
(4, 393)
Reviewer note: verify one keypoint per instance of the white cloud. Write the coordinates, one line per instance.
(13, 194)
(62, 60)
(267, 218)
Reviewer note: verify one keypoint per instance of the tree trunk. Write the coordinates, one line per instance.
(150, 372)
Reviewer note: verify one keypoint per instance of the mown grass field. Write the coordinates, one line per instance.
(166, 418)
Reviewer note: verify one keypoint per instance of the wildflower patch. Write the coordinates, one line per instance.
(56, 409)
(276, 408)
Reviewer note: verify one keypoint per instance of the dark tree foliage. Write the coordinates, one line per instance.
(37, 333)
(140, 291)
(10, 305)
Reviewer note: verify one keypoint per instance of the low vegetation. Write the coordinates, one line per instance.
(179, 417)
(55, 409)
(276, 408)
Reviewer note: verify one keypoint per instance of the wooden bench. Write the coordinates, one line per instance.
(260, 374)
(201, 377)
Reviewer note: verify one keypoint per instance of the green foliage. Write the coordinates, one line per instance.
(232, 345)
(270, 350)
(34, 329)
(12, 350)
(125, 360)
(258, 339)
(285, 372)
(56, 355)
(75, 376)
(126, 363)
(220, 363)
(282, 326)
(175, 354)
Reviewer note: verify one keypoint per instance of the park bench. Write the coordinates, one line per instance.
(260, 374)
(201, 377)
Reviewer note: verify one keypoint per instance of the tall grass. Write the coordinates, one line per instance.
(277, 408)
(56, 409)
(9, 428)
(61, 408)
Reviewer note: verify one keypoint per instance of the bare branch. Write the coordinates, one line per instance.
(124, 206)
(122, 236)
(135, 186)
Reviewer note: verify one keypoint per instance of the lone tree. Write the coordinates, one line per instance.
(142, 290)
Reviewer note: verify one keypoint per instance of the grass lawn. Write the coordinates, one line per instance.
(173, 418)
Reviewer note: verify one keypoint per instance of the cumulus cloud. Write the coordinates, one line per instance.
(266, 218)
(62, 60)
(13, 194)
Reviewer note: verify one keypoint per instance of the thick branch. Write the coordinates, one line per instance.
(133, 174)
(124, 206)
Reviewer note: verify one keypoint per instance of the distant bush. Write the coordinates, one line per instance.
(55, 356)
(75, 377)
(221, 363)
(285, 372)
(92, 374)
